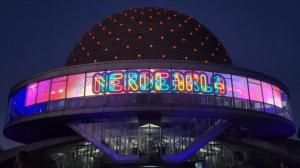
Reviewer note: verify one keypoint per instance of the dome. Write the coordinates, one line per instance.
(148, 34)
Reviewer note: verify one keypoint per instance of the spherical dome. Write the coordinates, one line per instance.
(148, 34)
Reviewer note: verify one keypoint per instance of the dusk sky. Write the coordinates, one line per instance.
(37, 36)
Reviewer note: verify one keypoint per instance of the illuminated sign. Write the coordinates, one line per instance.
(157, 81)
(154, 81)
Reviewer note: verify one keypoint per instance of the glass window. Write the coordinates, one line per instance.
(58, 88)
(277, 96)
(31, 94)
(267, 93)
(43, 91)
(240, 87)
(255, 90)
(75, 85)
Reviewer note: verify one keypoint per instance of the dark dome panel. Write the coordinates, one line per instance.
(148, 34)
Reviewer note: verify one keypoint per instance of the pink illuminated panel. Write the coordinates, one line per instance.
(75, 85)
(240, 87)
(267, 93)
(43, 91)
(89, 84)
(58, 88)
(255, 90)
(277, 97)
(31, 94)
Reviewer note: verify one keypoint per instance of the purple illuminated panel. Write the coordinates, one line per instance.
(58, 88)
(240, 87)
(255, 90)
(31, 94)
(267, 93)
(75, 85)
(43, 91)
(277, 97)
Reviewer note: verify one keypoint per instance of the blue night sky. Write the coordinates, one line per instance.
(36, 36)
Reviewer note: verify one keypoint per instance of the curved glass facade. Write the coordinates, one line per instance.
(208, 88)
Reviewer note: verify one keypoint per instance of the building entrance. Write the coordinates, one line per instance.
(149, 142)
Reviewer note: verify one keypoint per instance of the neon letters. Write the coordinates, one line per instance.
(158, 81)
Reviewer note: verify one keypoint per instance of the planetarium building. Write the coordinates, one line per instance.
(149, 87)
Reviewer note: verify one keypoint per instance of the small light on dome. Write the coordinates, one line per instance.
(202, 43)
(93, 37)
(132, 17)
(105, 49)
(142, 13)
(160, 22)
(185, 21)
(169, 18)
(183, 39)
(118, 39)
(139, 37)
(174, 47)
(140, 22)
(158, 13)
(121, 24)
(151, 45)
(150, 17)
(150, 29)
(162, 37)
(171, 30)
(191, 33)
(82, 48)
(90, 33)
(98, 42)
(206, 38)
(116, 57)
(212, 54)
(195, 49)
(163, 55)
(186, 57)
(95, 60)
(179, 25)
(109, 32)
(87, 54)
(115, 20)
(206, 61)
(139, 55)
(196, 29)
(129, 30)
(103, 28)
(127, 46)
